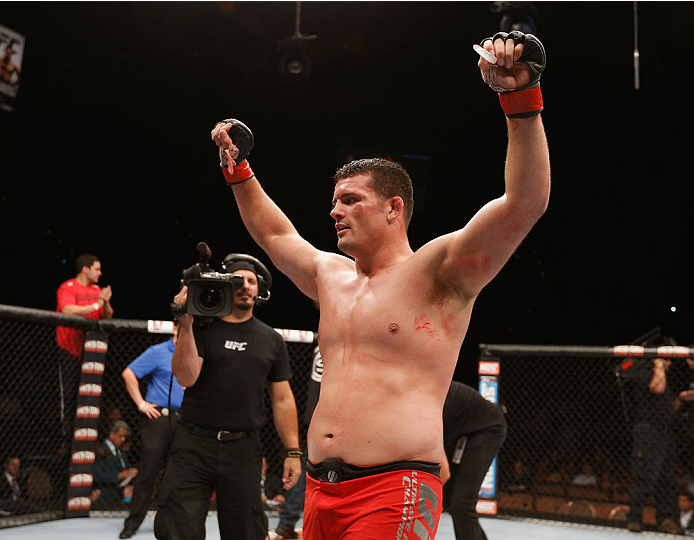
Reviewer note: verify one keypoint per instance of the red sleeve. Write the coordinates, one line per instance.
(66, 296)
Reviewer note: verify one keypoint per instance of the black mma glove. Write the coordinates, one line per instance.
(526, 101)
(242, 144)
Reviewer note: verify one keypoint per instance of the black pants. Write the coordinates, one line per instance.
(157, 435)
(466, 478)
(199, 465)
(653, 462)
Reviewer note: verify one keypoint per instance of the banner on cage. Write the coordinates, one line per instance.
(86, 431)
(11, 56)
(489, 372)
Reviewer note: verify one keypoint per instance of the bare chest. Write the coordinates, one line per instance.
(387, 313)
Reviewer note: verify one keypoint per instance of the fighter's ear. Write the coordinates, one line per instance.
(396, 208)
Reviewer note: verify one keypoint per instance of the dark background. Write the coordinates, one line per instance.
(108, 151)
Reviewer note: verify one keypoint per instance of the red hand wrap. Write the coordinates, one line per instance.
(242, 173)
(522, 104)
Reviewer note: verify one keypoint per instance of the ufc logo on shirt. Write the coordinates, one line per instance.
(235, 345)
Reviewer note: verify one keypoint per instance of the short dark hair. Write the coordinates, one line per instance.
(388, 179)
(86, 259)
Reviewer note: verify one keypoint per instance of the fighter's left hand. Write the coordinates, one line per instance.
(292, 470)
(508, 73)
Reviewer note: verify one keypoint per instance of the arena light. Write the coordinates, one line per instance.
(295, 60)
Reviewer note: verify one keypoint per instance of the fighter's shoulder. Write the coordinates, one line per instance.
(332, 262)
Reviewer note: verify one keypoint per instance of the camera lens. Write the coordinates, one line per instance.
(210, 298)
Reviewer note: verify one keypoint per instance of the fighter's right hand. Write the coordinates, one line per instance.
(186, 319)
(235, 142)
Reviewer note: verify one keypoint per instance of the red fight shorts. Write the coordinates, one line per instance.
(396, 501)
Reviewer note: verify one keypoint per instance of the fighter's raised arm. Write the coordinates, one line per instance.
(474, 255)
(267, 224)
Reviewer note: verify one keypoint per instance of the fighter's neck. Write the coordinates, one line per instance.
(383, 260)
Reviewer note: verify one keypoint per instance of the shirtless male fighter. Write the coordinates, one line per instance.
(392, 320)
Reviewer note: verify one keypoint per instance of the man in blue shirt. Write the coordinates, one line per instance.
(161, 407)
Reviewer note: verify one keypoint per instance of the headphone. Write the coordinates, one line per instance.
(264, 276)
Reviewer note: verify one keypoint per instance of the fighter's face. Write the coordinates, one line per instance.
(244, 298)
(359, 213)
(94, 272)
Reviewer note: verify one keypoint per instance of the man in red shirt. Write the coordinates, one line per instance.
(82, 296)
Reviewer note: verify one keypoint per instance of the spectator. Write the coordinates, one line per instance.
(13, 499)
(548, 469)
(9, 486)
(38, 486)
(586, 477)
(519, 479)
(685, 503)
(112, 471)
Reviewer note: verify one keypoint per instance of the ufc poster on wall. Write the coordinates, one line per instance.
(11, 54)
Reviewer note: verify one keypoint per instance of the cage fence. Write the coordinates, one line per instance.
(571, 413)
(57, 403)
(567, 455)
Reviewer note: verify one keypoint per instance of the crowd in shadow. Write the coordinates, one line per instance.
(591, 488)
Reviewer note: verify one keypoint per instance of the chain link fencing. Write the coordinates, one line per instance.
(567, 456)
(571, 413)
(56, 408)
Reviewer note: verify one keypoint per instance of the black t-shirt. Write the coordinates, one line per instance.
(655, 409)
(239, 360)
(466, 411)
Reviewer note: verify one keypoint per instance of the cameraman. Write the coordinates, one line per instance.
(224, 367)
